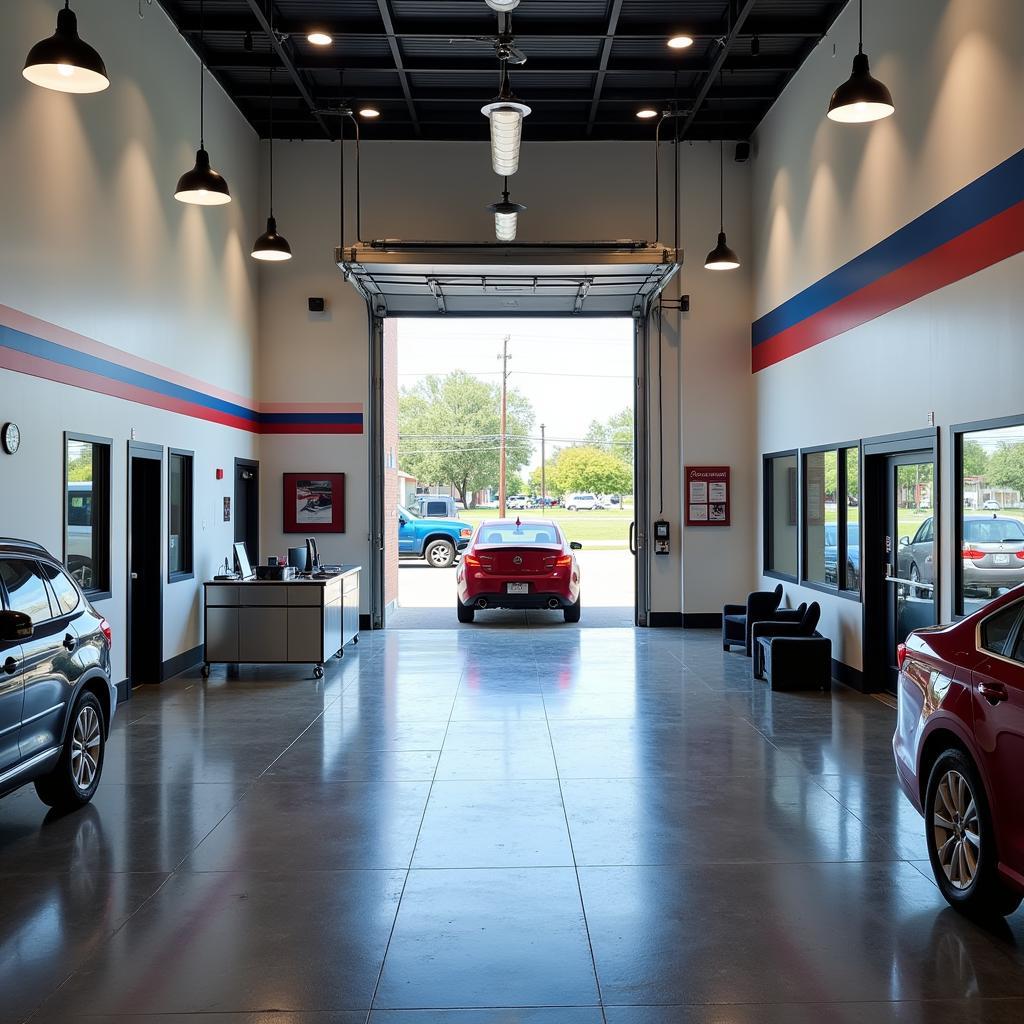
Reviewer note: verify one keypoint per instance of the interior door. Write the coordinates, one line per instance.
(145, 551)
(911, 551)
(247, 507)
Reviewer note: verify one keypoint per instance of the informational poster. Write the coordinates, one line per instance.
(707, 496)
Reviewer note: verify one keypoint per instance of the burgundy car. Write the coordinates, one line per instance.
(959, 747)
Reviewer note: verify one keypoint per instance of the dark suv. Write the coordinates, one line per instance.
(56, 696)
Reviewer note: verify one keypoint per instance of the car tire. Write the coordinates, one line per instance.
(440, 554)
(954, 787)
(465, 612)
(570, 508)
(74, 779)
(572, 613)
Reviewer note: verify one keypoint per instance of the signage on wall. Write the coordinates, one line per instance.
(707, 496)
(227, 510)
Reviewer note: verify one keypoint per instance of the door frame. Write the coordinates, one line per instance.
(876, 453)
(154, 453)
(254, 556)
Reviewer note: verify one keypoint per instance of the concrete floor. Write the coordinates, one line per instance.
(545, 826)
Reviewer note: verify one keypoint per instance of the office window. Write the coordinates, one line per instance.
(832, 518)
(989, 463)
(25, 588)
(87, 512)
(179, 516)
(781, 489)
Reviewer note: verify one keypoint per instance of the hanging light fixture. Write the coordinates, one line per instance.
(721, 257)
(270, 246)
(64, 61)
(861, 98)
(502, 6)
(202, 186)
(506, 115)
(506, 217)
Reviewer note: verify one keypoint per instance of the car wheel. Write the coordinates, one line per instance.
(570, 508)
(915, 577)
(465, 612)
(440, 553)
(76, 776)
(961, 840)
(572, 613)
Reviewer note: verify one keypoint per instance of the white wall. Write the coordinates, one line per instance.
(824, 192)
(573, 191)
(94, 242)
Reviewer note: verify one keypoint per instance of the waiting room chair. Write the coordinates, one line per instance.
(737, 619)
(800, 623)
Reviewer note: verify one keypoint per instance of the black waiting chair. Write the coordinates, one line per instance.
(790, 650)
(737, 619)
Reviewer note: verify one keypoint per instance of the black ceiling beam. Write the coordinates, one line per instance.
(473, 97)
(606, 55)
(384, 6)
(283, 55)
(728, 39)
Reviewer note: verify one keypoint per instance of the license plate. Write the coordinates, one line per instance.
(1001, 559)
(517, 588)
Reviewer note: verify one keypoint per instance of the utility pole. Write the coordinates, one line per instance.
(504, 357)
(543, 480)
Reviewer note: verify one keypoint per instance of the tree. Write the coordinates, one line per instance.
(1006, 467)
(449, 432)
(614, 435)
(975, 459)
(588, 469)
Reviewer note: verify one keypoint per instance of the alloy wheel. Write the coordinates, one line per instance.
(957, 830)
(440, 556)
(85, 748)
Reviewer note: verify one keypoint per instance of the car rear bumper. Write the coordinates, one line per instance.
(1001, 576)
(536, 599)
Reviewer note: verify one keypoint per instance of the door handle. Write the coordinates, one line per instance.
(10, 666)
(69, 642)
(994, 693)
(135, 575)
(632, 538)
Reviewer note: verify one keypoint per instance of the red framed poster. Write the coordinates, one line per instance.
(708, 496)
(314, 503)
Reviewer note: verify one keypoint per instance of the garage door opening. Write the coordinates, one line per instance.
(569, 451)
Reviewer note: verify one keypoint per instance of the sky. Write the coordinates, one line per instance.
(572, 370)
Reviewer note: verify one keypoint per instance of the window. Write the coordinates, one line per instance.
(832, 518)
(179, 515)
(517, 536)
(63, 589)
(989, 470)
(87, 512)
(780, 515)
(25, 588)
(435, 508)
(996, 630)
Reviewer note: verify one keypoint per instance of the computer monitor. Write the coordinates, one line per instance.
(313, 555)
(242, 566)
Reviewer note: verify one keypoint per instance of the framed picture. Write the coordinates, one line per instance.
(314, 503)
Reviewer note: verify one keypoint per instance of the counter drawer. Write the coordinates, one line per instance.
(305, 594)
(264, 594)
(222, 597)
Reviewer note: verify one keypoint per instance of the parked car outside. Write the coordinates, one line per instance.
(852, 554)
(576, 502)
(518, 502)
(516, 564)
(991, 505)
(437, 540)
(437, 506)
(993, 554)
(959, 747)
(57, 699)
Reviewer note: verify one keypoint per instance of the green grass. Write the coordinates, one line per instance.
(605, 525)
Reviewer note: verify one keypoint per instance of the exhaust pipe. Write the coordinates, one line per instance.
(552, 602)
(481, 602)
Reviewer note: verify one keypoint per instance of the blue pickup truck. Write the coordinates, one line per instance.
(436, 540)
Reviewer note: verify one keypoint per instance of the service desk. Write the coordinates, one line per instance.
(309, 619)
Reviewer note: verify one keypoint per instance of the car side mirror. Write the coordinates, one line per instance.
(402, 520)
(15, 627)
(575, 545)
(904, 541)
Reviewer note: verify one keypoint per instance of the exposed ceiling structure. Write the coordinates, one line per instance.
(429, 65)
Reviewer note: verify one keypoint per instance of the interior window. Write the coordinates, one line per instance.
(179, 531)
(821, 509)
(87, 512)
(780, 515)
(63, 589)
(25, 588)
(996, 629)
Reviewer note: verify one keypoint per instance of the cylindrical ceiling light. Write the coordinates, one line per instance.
(680, 42)
(319, 38)
(721, 257)
(502, 6)
(64, 61)
(202, 186)
(506, 217)
(861, 98)
(646, 113)
(270, 246)
(506, 115)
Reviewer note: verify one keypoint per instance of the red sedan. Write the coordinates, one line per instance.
(516, 564)
(959, 747)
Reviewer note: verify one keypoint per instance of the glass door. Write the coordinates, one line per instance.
(911, 551)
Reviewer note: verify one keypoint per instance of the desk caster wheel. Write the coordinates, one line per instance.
(318, 671)
(205, 670)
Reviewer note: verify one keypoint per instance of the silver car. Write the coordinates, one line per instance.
(993, 553)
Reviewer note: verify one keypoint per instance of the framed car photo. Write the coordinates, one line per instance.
(314, 503)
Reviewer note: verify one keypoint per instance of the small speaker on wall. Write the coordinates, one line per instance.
(317, 305)
(742, 152)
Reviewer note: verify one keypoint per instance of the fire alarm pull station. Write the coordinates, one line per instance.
(661, 537)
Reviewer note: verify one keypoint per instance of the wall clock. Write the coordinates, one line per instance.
(11, 438)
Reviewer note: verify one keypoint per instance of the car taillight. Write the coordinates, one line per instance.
(106, 631)
(471, 562)
(973, 553)
(563, 561)
(901, 655)
(1020, 555)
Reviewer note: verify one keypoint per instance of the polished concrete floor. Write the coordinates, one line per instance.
(546, 826)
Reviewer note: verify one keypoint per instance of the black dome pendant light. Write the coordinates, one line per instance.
(270, 246)
(861, 98)
(202, 186)
(64, 62)
(721, 257)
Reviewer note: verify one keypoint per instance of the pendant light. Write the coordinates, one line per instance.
(506, 217)
(270, 246)
(721, 257)
(506, 115)
(861, 98)
(202, 186)
(502, 6)
(65, 62)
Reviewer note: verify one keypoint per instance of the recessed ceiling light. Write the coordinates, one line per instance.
(318, 38)
(369, 112)
(646, 113)
(680, 42)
